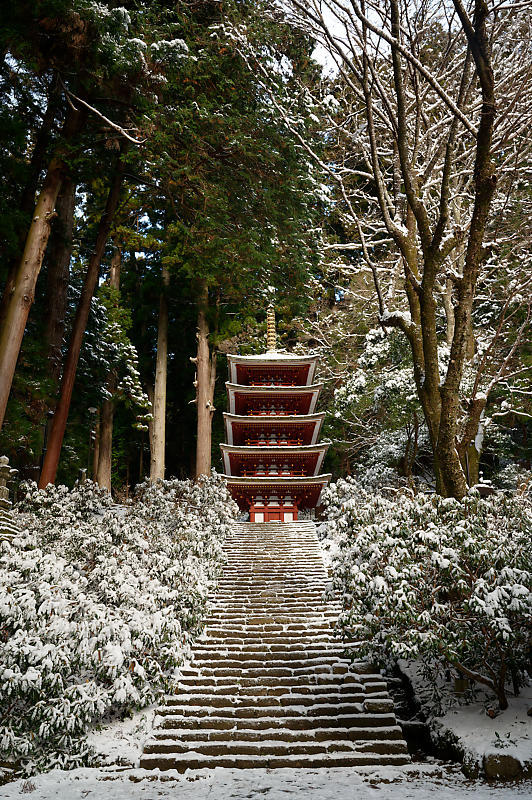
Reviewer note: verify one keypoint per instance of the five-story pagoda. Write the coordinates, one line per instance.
(272, 459)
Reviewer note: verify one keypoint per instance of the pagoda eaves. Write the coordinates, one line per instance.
(285, 461)
(272, 459)
(296, 429)
(272, 399)
(291, 369)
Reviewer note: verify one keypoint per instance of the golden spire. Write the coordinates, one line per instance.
(271, 335)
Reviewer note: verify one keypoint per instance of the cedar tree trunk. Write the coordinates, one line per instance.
(105, 451)
(20, 291)
(205, 381)
(27, 198)
(158, 429)
(57, 433)
(57, 276)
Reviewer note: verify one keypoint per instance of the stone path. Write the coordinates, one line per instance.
(270, 685)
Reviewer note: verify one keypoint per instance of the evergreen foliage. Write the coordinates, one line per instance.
(437, 580)
(99, 604)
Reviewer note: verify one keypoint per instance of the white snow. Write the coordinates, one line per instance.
(122, 741)
(476, 734)
(340, 783)
(509, 733)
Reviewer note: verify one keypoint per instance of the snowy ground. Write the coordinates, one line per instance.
(392, 783)
(482, 740)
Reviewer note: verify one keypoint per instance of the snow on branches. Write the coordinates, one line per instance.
(428, 158)
(437, 580)
(98, 606)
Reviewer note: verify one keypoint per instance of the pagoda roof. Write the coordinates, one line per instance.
(259, 421)
(275, 451)
(319, 416)
(274, 388)
(272, 355)
(269, 391)
(274, 484)
(272, 358)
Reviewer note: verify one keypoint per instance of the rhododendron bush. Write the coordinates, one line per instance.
(446, 582)
(98, 605)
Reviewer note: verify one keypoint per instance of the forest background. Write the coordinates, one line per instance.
(170, 169)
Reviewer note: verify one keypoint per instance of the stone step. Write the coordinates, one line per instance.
(239, 638)
(219, 617)
(265, 748)
(270, 684)
(295, 722)
(274, 747)
(227, 671)
(285, 582)
(305, 595)
(183, 761)
(282, 560)
(245, 711)
(242, 701)
(283, 622)
(295, 663)
(252, 618)
(258, 690)
(252, 651)
(263, 682)
(387, 733)
(300, 616)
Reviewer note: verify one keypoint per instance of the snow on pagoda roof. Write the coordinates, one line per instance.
(272, 355)
(237, 389)
(274, 451)
(288, 418)
(259, 421)
(278, 480)
(273, 388)
(281, 480)
(316, 482)
(273, 359)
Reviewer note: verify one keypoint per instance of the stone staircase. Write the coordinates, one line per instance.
(270, 685)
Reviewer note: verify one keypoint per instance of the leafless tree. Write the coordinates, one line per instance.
(428, 116)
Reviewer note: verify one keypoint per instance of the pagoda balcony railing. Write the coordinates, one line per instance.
(273, 442)
(266, 383)
(272, 412)
(285, 473)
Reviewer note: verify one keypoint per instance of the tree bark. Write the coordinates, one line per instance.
(27, 198)
(58, 274)
(57, 433)
(446, 454)
(105, 453)
(22, 291)
(105, 450)
(158, 430)
(96, 452)
(205, 381)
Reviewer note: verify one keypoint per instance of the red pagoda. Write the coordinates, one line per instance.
(272, 459)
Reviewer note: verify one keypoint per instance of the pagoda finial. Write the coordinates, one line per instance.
(271, 334)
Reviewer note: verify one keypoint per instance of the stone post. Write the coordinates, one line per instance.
(8, 529)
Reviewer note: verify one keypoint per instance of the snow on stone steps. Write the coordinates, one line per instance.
(269, 684)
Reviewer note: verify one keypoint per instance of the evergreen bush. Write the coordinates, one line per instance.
(434, 579)
(98, 605)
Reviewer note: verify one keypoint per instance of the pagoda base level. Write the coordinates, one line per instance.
(272, 513)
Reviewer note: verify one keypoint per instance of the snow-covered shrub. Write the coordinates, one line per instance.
(433, 579)
(98, 604)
